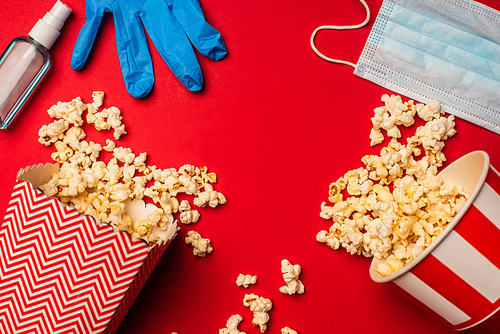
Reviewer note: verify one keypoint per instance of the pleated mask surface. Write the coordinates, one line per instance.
(437, 49)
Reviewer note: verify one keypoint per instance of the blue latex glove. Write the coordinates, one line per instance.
(171, 25)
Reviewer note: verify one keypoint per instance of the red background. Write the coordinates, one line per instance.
(277, 124)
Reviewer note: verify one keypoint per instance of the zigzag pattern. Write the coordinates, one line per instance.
(60, 272)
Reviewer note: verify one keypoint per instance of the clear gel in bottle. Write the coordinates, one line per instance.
(26, 60)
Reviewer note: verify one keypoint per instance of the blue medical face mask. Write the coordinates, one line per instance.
(435, 49)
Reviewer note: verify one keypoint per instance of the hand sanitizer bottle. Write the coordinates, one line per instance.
(25, 62)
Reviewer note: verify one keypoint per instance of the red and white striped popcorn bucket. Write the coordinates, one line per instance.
(61, 272)
(457, 277)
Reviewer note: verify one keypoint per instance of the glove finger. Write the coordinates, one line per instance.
(133, 54)
(203, 36)
(86, 38)
(173, 45)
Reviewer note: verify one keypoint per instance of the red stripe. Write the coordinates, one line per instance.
(493, 180)
(418, 303)
(453, 288)
(481, 233)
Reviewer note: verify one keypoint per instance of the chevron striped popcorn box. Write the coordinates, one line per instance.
(457, 277)
(61, 272)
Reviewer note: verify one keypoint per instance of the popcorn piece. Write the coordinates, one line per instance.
(109, 118)
(208, 177)
(335, 192)
(232, 325)
(260, 307)
(119, 192)
(98, 98)
(189, 217)
(100, 190)
(51, 187)
(91, 149)
(71, 111)
(429, 111)
(201, 246)
(396, 224)
(63, 152)
(184, 206)
(141, 228)
(114, 117)
(388, 117)
(140, 161)
(376, 137)
(169, 204)
(49, 134)
(209, 197)
(73, 137)
(330, 238)
(288, 330)
(110, 145)
(291, 276)
(246, 280)
(124, 154)
(390, 265)
(119, 131)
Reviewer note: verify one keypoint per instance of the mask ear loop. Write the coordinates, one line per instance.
(333, 27)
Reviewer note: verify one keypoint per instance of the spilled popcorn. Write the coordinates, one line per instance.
(101, 189)
(260, 307)
(232, 325)
(395, 205)
(288, 330)
(291, 274)
(246, 280)
(201, 246)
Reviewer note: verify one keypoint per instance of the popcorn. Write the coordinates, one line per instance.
(98, 98)
(73, 137)
(168, 203)
(209, 197)
(49, 134)
(110, 145)
(184, 206)
(288, 330)
(63, 152)
(107, 119)
(291, 276)
(119, 192)
(71, 111)
(246, 280)
(232, 325)
(201, 246)
(429, 111)
(141, 229)
(187, 215)
(376, 137)
(390, 265)
(90, 149)
(101, 189)
(119, 131)
(140, 161)
(388, 117)
(260, 307)
(397, 223)
(114, 118)
(330, 238)
(124, 154)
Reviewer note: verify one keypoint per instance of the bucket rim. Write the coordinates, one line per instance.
(375, 276)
